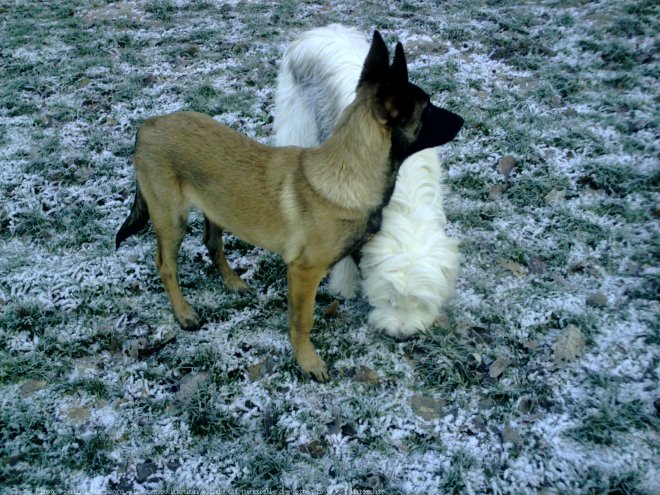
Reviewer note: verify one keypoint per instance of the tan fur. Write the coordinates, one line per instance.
(308, 205)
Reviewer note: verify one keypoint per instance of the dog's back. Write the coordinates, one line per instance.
(187, 159)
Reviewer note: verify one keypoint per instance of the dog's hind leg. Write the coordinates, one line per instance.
(169, 229)
(303, 284)
(213, 241)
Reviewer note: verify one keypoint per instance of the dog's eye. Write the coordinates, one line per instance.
(427, 108)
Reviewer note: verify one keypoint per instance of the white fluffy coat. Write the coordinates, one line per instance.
(409, 267)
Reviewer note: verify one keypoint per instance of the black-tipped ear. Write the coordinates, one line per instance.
(399, 70)
(377, 64)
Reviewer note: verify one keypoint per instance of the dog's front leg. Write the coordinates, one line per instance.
(303, 284)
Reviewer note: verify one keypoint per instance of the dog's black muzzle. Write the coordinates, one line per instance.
(439, 126)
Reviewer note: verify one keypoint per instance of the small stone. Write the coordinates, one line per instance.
(485, 403)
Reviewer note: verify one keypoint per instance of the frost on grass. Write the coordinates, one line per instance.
(543, 378)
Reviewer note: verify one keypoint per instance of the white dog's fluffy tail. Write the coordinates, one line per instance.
(292, 107)
(344, 278)
(317, 80)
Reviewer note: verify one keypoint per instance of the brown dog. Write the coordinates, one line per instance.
(310, 205)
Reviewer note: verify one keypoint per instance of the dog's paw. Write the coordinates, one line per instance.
(236, 284)
(314, 366)
(189, 320)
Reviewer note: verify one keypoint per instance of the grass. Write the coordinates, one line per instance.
(100, 388)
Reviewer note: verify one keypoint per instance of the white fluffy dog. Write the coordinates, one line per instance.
(409, 268)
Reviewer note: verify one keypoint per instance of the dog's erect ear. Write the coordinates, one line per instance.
(399, 69)
(377, 64)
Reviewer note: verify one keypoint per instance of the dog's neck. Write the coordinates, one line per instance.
(358, 152)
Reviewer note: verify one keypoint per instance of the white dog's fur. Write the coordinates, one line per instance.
(409, 268)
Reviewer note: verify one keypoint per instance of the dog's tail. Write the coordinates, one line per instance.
(137, 219)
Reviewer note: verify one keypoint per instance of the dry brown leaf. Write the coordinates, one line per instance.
(512, 436)
(32, 386)
(505, 165)
(331, 309)
(597, 300)
(496, 191)
(569, 344)
(78, 415)
(498, 367)
(427, 407)
(555, 196)
(524, 404)
(258, 370)
(189, 384)
(514, 267)
(315, 449)
(530, 344)
(366, 375)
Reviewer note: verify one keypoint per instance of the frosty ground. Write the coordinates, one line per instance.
(542, 377)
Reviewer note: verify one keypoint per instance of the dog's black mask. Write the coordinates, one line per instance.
(439, 126)
(435, 126)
